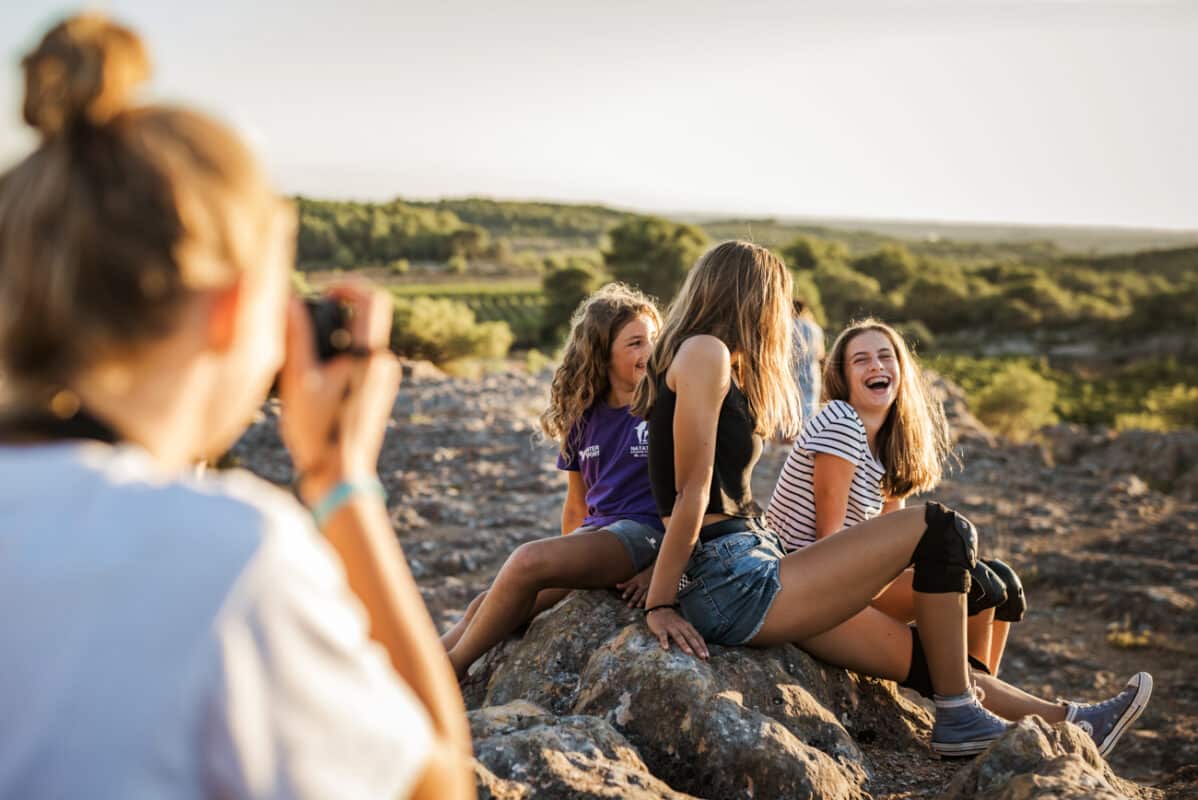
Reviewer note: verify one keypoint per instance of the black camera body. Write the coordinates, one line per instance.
(330, 326)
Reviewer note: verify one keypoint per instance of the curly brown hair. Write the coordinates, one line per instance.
(582, 379)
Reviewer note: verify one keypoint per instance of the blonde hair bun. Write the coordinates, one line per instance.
(84, 70)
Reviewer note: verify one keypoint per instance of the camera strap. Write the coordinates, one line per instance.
(39, 425)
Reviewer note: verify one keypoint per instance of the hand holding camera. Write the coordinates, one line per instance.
(337, 386)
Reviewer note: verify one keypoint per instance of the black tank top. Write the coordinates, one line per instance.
(737, 448)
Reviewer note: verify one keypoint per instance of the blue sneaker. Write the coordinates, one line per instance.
(963, 727)
(1105, 722)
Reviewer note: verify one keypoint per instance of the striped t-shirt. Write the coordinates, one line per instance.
(838, 431)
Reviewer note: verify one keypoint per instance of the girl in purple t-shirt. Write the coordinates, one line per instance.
(609, 512)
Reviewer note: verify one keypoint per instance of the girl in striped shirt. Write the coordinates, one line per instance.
(880, 438)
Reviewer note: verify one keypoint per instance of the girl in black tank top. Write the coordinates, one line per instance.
(737, 449)
(718, 380)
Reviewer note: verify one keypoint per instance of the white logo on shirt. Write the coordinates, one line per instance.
(590, 452)
(641, 448)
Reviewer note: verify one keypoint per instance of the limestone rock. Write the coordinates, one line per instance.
(746, 723)
(523, 752)
(1037, 760)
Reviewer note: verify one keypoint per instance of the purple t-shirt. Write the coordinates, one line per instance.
(612, 455)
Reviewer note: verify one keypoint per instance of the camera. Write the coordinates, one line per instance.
(330, 325)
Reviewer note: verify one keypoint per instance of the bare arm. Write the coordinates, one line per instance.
(574, 509)
(334, 418)
(700, 375)
(831, 480)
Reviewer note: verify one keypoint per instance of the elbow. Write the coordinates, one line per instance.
(448, 775)
(692, 498)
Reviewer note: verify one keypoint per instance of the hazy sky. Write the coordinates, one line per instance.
(1047, 111)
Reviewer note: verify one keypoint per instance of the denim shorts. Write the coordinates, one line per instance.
(641, 541)
(731, 582)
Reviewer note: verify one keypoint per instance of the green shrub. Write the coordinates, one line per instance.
(892, 266)
(917, 335)
(535, 362)
(441, 330)
(806, 290)
(565, 287)
(808, 252)
(653, 254)
(458, 265)
(1166, 408)
(941, 302)
(1017, 402)
(847, 295)
(400, 266)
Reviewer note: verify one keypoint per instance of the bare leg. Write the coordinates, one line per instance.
(941, 622)
(593, 560)
(546, 599)
(998, 644)
(451, 636)
(869, 642)
(980, 634)
(898, 600)
(825, 583)
(1012, 703)
(832, 580)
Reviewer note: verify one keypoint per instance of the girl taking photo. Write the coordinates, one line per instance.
(881, 437)
(168, 635)
(613, 526)
(718, 381)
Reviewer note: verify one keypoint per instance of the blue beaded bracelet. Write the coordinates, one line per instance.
(341, 494)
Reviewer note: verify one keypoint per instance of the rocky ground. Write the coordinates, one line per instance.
(1104, 530)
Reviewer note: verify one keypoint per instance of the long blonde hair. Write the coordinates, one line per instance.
(119, 215)
(913, 443)
(739, 293)
(582, 380)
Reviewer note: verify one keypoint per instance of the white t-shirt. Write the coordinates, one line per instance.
(838, 431)
(182, 638)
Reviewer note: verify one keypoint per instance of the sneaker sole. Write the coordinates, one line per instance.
(1133, 712)
(947, 750)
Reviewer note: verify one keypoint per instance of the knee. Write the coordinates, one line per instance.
(986, 589)
(1015, 605)
(946, 552)
(528, 564)
(472, 609)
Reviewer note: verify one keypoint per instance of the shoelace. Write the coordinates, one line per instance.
(1093, 708)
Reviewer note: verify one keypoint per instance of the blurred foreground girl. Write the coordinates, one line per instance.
(717, 382)
(880, 438)
(613, 526)
(167, 636)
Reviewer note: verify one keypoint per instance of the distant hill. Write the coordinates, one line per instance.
(1070, 239)
(519, 219)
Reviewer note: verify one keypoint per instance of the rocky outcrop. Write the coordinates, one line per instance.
(1163, 461)
(524, 752)
(1038, 760)
(746, 723)
(587, 704)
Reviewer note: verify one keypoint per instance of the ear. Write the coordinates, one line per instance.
(223, 315)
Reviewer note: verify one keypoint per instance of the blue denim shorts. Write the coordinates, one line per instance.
(640, 540)
(731, 582)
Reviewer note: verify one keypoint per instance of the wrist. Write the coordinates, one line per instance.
(649, 609)
(343, 494)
